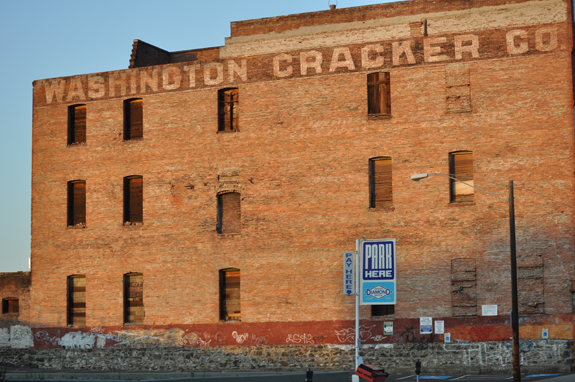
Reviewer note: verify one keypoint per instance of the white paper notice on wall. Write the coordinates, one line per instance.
(388, 328)
(489, 310)
(439, 327)
(425, 325)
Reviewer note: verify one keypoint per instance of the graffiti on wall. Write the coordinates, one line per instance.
(348, 335)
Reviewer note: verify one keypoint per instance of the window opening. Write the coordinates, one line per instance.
(77, 300)
(228, 109)
(76, 124)
(133, 119)
(380, 183)
(382, 310)
(463, 287)
(461, 167)
(10, 305)
(229, 213)
(230, 295)
(77, 203)
(134, 298)
(379, 93)
(133, 199)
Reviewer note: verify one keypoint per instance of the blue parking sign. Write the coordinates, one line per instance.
(378, 272)
(348, 273)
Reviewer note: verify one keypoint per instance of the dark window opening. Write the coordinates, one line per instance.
(378, 93)
(230, 295)
(77, 300)
(461, 168)
(134, 298)
(228, 109)
(229, 213)
(10, 305)
(76, 124)
(382, 310)
(380, 183)
(77, 203)
(133, 119)
(133, 199)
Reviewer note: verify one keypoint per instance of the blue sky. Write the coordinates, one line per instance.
(45, 39)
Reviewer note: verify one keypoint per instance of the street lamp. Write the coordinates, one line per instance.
(514, 300)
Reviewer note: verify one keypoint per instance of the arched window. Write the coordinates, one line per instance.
(229, 213)
(76, 124)
(133, 119)
(461, 167)
(230, 307)
(133, 199)
(134, 298)
(380, 182)
(228, 109)
(77, 300)
(76, 203)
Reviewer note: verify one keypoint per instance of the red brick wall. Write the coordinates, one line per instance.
(16, 285)
(301, 160)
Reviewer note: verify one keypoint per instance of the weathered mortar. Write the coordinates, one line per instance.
(464, 358)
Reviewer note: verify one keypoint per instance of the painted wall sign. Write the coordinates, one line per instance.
(488, 44)
(378, 272)
(348, 273)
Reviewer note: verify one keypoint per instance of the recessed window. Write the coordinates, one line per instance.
(461, 168)
(10, 305)
(378, 94)
(228, 109)
(77, 203)
(133, 199)
(229, 213)
(230, 309)
(134, 298)
(133, 119)
(382, 310)
(380, 183)
(77, 300)
(76, 124)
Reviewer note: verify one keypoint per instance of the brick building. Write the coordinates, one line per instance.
(205, 198)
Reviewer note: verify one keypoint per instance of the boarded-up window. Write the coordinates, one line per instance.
(134, 298)
(382, 310)
(378, 93)
(530, 284)
(458, 88)
(77, 203)
(461, 168)
(133, 119)
(463, 287)
(76, 124)
(228, 110)
(10, 305)
(229, 213)
(230, 295)
(77, 300)
(380, 183)
(133, 199)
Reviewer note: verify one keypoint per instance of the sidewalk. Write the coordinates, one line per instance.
(67, 376)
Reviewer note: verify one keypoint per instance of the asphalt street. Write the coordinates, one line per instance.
(554, 377)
